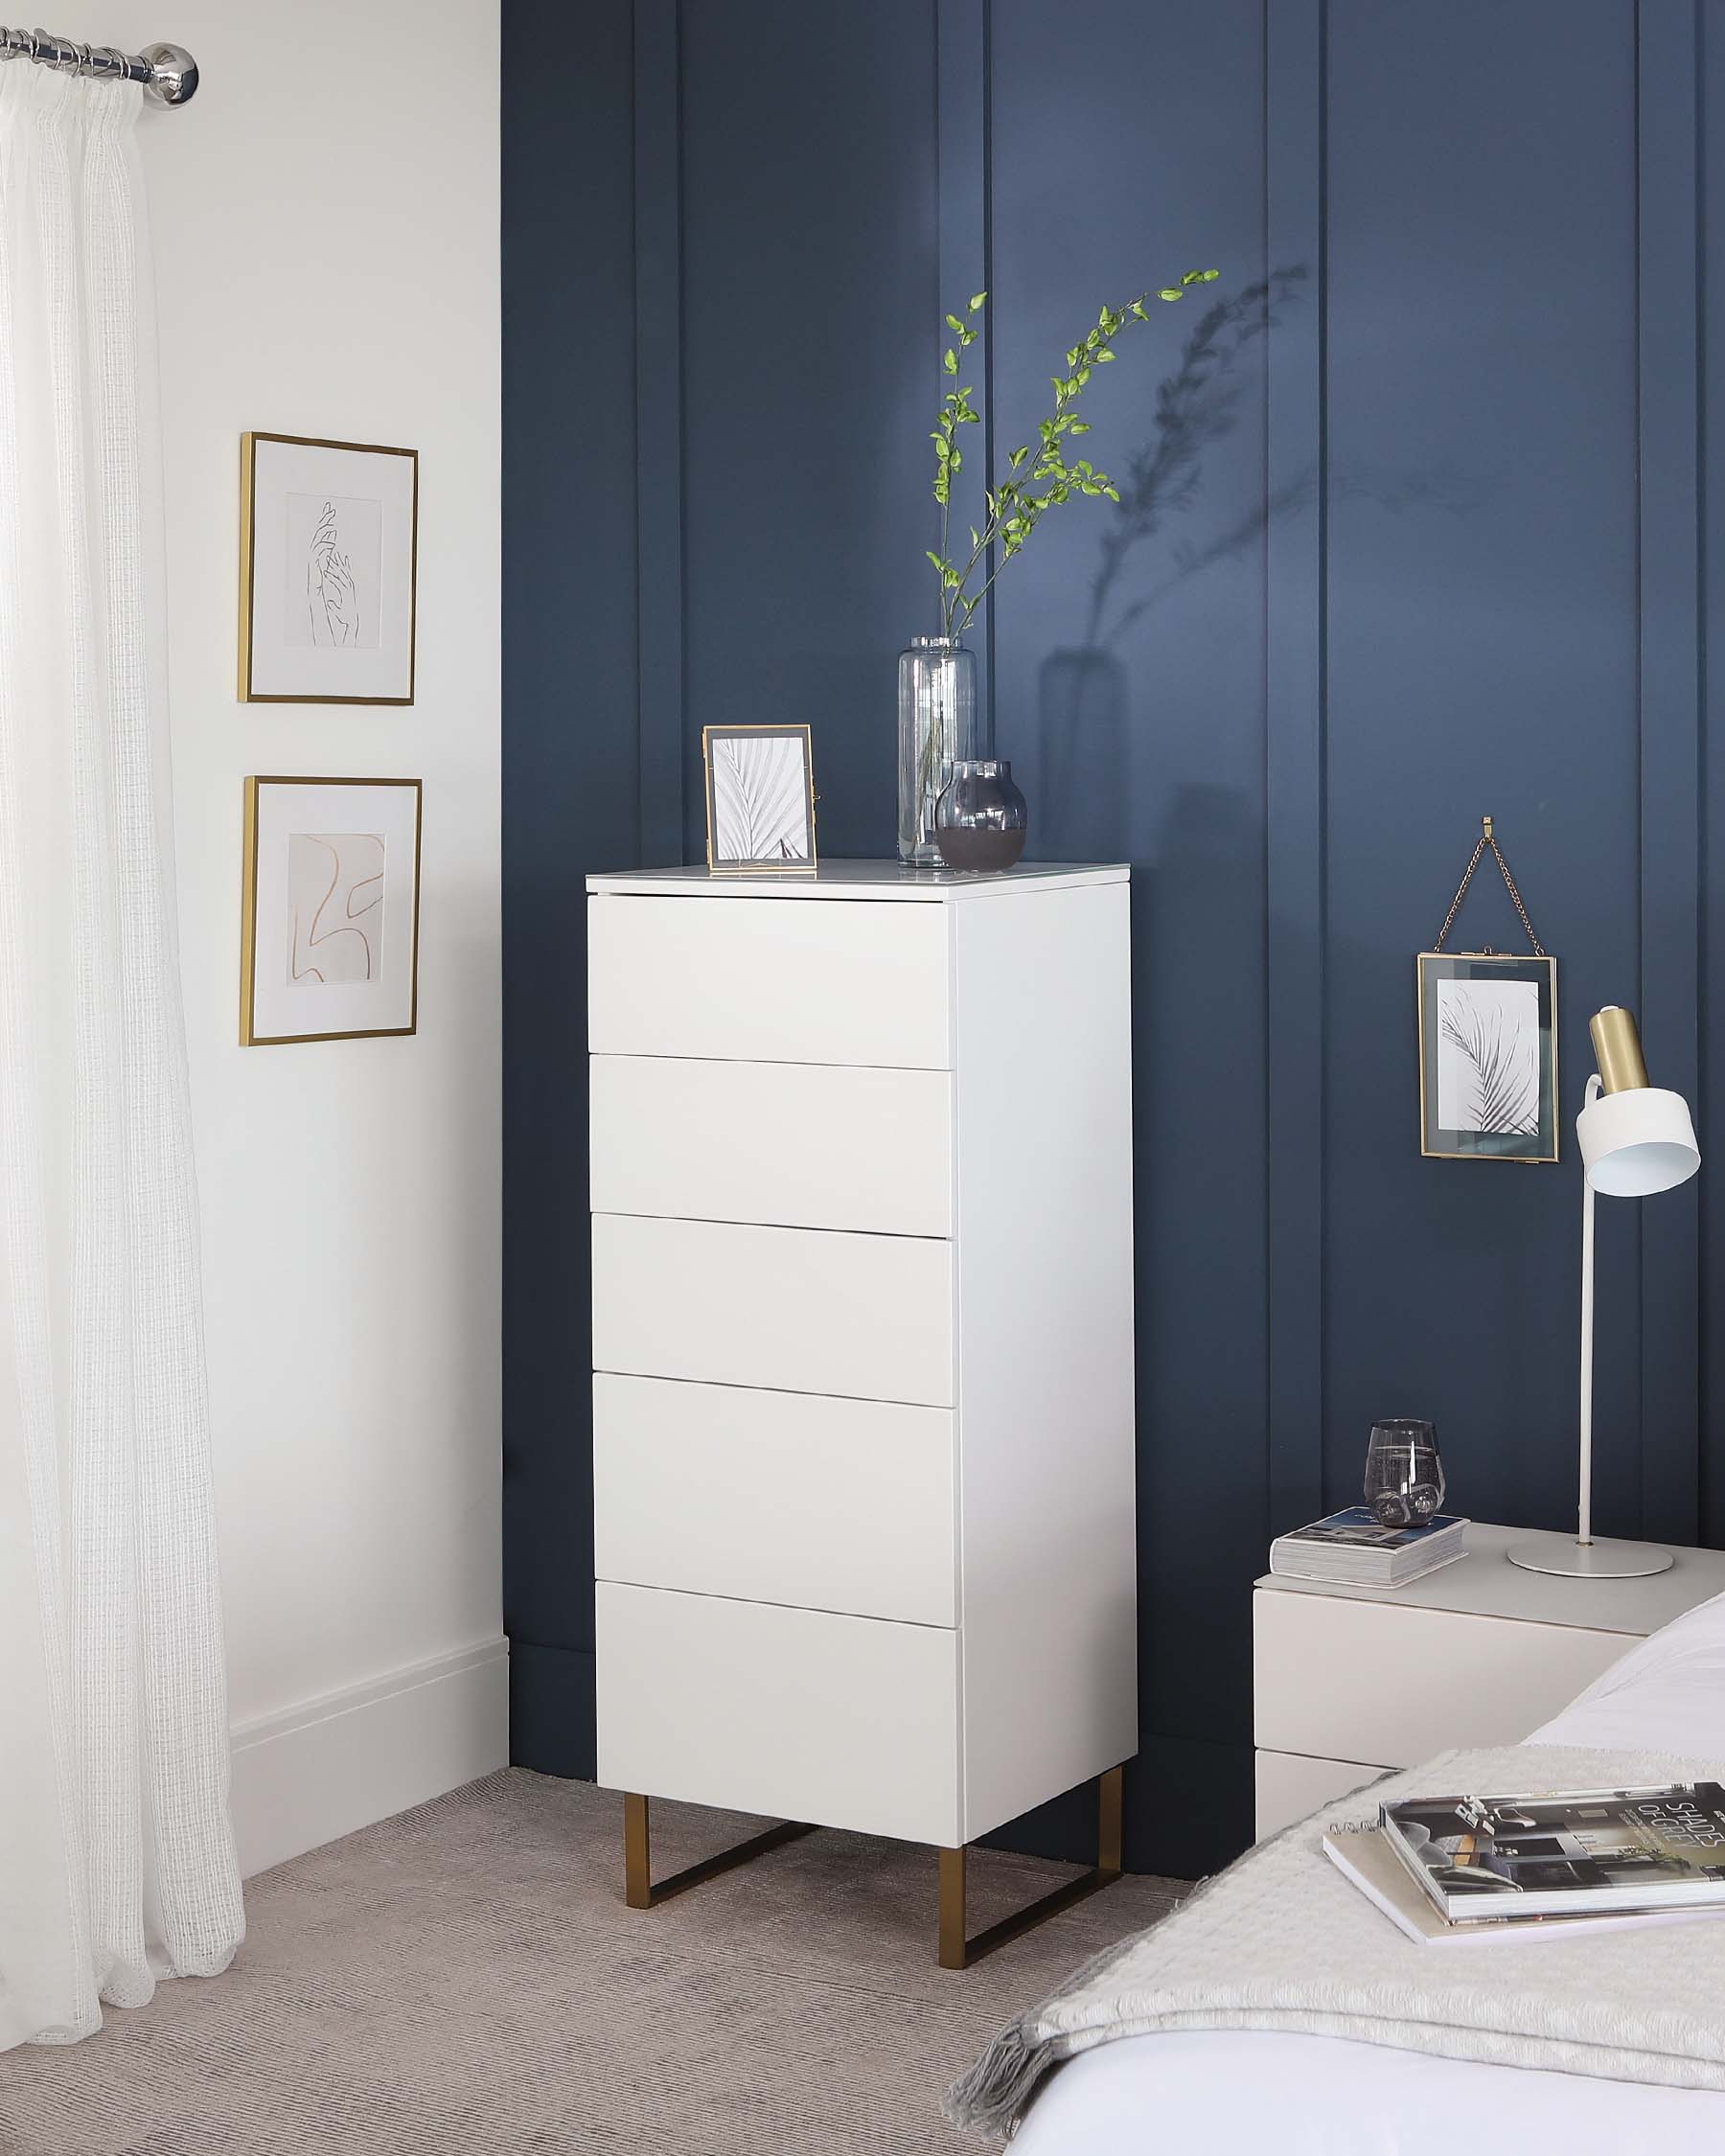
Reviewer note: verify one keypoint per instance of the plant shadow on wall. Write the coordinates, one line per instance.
(1084, 700)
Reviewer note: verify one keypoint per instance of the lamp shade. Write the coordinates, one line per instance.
(1633, 1143)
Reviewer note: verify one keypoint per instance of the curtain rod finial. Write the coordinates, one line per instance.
(173, 75)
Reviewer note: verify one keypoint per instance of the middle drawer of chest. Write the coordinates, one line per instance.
(785, 1308)
(775, 1497)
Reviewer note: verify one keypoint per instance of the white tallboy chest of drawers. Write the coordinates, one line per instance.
(862, 1354)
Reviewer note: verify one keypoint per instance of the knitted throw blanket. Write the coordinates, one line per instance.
(1281, 1940)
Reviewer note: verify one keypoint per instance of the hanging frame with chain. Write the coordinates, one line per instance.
(1488, 1040)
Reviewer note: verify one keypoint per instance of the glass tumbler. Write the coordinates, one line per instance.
(1404, 1475)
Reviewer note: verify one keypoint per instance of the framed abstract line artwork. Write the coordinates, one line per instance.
(329, 917)
(1487, 1056)
(760, 798)
(328, 554)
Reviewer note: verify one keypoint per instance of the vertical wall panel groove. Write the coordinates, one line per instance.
(1668, 433)
(961, 155)
(571, 790)
(1294, 91)
(659, 427)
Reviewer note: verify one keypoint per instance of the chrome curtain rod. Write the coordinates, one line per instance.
(168, 73)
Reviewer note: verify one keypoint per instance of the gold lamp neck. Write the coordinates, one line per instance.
(1618, 1051)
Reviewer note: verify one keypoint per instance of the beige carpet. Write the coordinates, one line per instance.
(465, 1981)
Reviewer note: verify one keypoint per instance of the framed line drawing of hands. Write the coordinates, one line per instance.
(329, 539)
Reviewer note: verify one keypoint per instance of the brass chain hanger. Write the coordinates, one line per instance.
(1487, 838)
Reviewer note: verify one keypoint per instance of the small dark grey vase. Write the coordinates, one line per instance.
(980, 820)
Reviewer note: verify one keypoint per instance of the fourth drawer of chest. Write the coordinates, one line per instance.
(775, 1497)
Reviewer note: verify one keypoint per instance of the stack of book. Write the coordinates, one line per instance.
(1352, 1550)
(1476, 1867)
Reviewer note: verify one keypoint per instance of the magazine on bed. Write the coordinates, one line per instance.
(1365, 1859)
(1568, 1853)
(1354, 1549)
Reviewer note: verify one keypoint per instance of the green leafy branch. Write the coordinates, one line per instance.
(1036, 481)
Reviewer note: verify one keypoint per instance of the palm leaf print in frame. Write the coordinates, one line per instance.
(759, 798)
(1488, 1084)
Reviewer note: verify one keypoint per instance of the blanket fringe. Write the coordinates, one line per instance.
(992, 2096)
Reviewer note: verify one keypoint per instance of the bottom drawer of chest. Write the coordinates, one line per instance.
(840, 1721)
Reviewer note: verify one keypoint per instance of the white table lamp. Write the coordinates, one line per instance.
(1636, 1138)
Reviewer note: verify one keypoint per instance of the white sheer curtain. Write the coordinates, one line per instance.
(116, 1856)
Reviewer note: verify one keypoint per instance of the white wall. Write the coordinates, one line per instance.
(325, 218)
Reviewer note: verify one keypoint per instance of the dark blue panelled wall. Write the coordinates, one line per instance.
(1415, 526)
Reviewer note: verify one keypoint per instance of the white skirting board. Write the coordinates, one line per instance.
(329, 1766)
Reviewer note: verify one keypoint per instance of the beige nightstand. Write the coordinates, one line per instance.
(1348, 1681)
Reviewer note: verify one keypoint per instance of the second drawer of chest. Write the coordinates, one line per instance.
(1340, 1679)
(787, 1309)
(775, 1497)
(786, 1144)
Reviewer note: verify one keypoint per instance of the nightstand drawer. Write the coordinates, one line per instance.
(1342, 1679)
(791, 1712)
(775, 1497)
(1290, 1785)
(769, 980)
(788, 1309)
(787, 1144)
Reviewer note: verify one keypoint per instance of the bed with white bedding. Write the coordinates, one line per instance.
(1260, 2093)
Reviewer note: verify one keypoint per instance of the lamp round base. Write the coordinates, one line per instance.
(1569, 1559)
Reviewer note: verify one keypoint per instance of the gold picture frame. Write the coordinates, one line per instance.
(249, 634)
(251, 1035)
(760, 815)
(1519, 1070)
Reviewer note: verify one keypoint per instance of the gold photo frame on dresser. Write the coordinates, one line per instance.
(760, 799)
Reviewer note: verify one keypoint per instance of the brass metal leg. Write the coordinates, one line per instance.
(958, 1952)
(952, 1909)
(637, 1853)
(638, 1889)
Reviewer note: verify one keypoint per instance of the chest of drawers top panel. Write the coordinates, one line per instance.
(868, 881)
(850, 964)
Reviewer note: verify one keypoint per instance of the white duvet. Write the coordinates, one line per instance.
(1227, 2094)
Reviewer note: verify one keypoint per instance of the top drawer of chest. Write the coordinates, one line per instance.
(769, 980)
